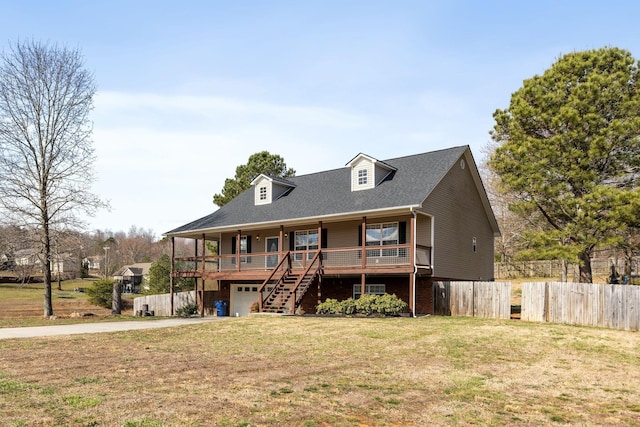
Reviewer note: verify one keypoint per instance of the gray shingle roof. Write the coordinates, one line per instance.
(329, 193)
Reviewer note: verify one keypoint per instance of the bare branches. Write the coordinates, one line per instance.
(46, 152)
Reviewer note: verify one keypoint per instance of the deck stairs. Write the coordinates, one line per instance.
(279, 299)
(286, 291)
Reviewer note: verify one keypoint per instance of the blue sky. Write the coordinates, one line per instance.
(188, 90)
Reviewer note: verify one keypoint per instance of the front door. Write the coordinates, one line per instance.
(272, 245)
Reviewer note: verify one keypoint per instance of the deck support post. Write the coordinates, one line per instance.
(412, 260)
(364, 254)
(204, 261)
(281, 243)
(195, 285)
(171, 279)
(238, 237)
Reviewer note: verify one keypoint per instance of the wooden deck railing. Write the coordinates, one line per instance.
(350, 257)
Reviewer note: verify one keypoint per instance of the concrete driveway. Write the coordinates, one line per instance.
(94, 328)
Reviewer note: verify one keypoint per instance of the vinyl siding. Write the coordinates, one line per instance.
(459, 216)
(423, 231)
(263, 183)
(359, 165)
(339, 234)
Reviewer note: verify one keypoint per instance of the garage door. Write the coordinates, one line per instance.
(242, 296)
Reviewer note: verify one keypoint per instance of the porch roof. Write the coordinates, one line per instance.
(328, 193)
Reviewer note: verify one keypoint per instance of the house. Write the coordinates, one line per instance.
(132, 276)
(28, 259)
(65, 264)
(6, 261)
(371, 227)
(93, 263)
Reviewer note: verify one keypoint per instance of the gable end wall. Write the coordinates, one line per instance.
(459, 216)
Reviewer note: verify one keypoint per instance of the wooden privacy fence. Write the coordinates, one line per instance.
(607, 306)
(477, 299)
(160, 304)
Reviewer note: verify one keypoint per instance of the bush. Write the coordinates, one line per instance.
(391, 305)
(329, 306)
(187, 310)
(386, 304)
(255, 307)
(367, 304)
(101, 292)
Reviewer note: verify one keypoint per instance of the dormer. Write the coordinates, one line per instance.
(367, 172)
(268, 189)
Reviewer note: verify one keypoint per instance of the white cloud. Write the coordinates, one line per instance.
(160, 158)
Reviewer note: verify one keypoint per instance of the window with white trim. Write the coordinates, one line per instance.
(382, 235)
(363, 176)
(263, 193)
(306, 240)
(369, 288)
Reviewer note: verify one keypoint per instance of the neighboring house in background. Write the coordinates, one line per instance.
(372, 227)
(65, 264)
(132, 277)
(93, 263)
(28, 258)
(6, 261)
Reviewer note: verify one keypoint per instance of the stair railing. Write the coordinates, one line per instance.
(313, 269)
(277, 281)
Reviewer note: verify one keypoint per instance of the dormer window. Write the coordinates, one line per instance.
(367, 172)
(268, 189)
(362, 177)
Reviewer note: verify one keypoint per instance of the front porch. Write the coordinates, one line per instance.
(286, 279)
(388, 246)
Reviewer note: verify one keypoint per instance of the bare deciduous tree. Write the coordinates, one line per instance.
(46, 152)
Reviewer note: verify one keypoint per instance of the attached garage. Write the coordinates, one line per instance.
(242, 296)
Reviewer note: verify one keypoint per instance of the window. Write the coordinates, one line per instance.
(243, 248)
(362, 177)
(474, 245)
(263, 193)
(371, 289)
(382, 235)
(306, 240)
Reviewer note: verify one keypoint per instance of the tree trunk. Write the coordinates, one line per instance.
(116, 298)
(48, 304)
(628, 262)
(585, 267)
(564, 270)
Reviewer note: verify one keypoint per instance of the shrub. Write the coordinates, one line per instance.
(329, 306)
(100, 293)
(187, 310)
(255, 307)
(368, 304)
(348, 306)
(391, 305)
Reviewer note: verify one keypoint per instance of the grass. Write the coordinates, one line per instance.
(306, 371)
(22, 305)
